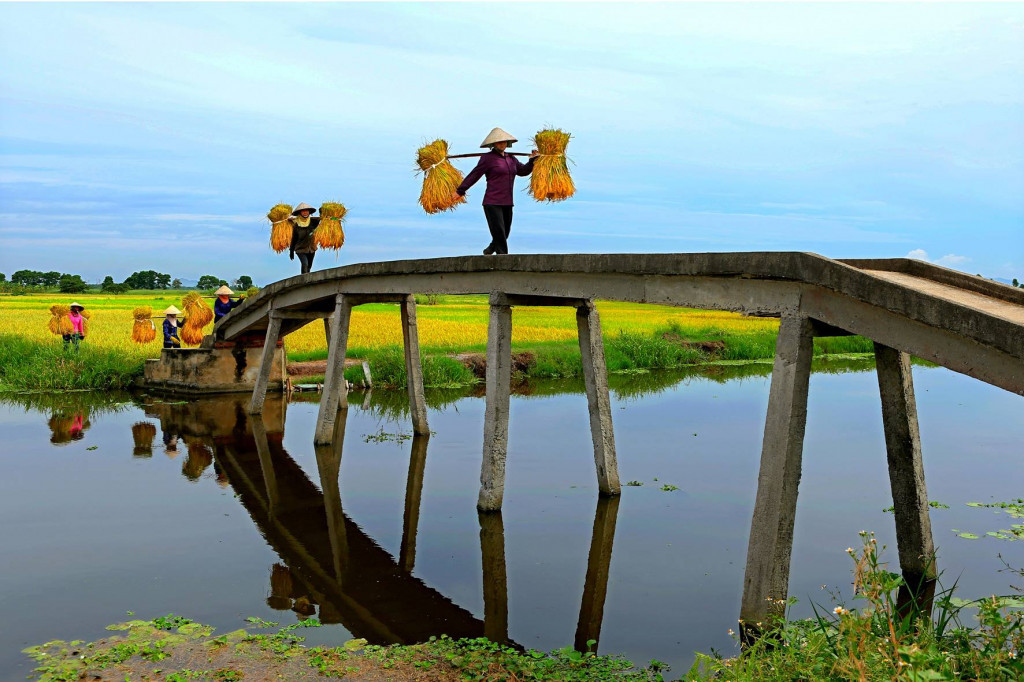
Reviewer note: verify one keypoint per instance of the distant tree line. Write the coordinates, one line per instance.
(26, 280)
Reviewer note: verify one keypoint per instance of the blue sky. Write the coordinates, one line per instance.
(157, 136)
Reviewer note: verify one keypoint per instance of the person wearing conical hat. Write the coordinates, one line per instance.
(171, 324)
(224, 303)
(303, 244)
(501, 170)
(77, 325)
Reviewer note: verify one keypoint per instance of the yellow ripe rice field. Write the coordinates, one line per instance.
(453, 324)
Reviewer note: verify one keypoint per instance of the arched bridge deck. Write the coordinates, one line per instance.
(908, 308)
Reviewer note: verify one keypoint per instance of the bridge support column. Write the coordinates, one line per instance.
(259, 434)
(498, 378)
(595, 377)
(413, 366)
(906, 476)
(335, 393)
(259, 392)
(771, 529)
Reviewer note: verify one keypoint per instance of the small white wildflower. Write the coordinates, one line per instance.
(731, 633)
(849, 550)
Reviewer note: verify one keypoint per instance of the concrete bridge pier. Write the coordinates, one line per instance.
(335, 390)
(499, 376)
(766, 580)
(906, 478)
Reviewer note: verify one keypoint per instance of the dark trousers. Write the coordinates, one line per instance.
(499, 222)
(306, 261)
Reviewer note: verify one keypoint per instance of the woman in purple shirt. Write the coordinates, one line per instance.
(501, 170)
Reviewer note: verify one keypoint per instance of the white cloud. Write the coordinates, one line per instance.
(949, 260)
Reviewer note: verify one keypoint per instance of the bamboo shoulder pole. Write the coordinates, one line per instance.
(480, 154)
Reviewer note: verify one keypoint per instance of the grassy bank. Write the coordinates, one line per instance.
(878, 639)
(26, 364)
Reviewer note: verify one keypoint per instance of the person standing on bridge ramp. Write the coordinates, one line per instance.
(303, 243)
(501, 170)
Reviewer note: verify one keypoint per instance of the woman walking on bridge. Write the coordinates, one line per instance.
(501, 170)
(303, 243)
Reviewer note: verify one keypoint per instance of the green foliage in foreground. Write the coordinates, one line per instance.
(30, 365)
(880, 640)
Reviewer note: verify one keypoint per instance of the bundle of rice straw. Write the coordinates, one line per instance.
(143, 330)
(86, 316)
(440, 178)
(550, 180)
(143, 434)
(251, 291)
(329, 234)
(59, 323)
(280, 227)
(197, 316)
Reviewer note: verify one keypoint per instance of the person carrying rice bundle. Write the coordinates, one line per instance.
(171, 326)
(77, 320)
(501, 170)
(224, 303)
(303, 241)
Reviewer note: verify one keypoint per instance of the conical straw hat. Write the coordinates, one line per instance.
(497, 135)
(172, 311)
(223, 291)
(76, 304)
(303, 207)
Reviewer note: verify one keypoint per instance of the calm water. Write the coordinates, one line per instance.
(117, 503)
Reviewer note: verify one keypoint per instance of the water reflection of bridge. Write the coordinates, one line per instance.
(332, 563)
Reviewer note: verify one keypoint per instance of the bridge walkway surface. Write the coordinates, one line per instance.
(907, 308)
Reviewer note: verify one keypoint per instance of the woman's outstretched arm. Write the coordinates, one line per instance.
(473, 176)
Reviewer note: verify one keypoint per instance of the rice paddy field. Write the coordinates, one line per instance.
(452, 324)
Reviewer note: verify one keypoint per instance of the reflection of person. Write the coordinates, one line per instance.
(64, 428)
(303, 244)
(170, 444)
(171, 338)
(501, 170)
(224, 303)
(77, 325)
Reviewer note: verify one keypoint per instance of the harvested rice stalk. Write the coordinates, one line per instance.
(440, 178)
(143, 329)
(197, 316)
(280, 227)
(59, 323)
(197, 312)
(550, 180)
(329, 233)
(190, 334)
(251, 291)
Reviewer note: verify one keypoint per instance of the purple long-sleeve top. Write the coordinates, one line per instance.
(501, 171)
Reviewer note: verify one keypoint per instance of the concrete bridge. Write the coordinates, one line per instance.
(908, 308)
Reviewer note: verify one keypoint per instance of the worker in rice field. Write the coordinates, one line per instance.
(224, 303)
(501, 170)
(171, 325)
(77, 326)
(303, 244)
